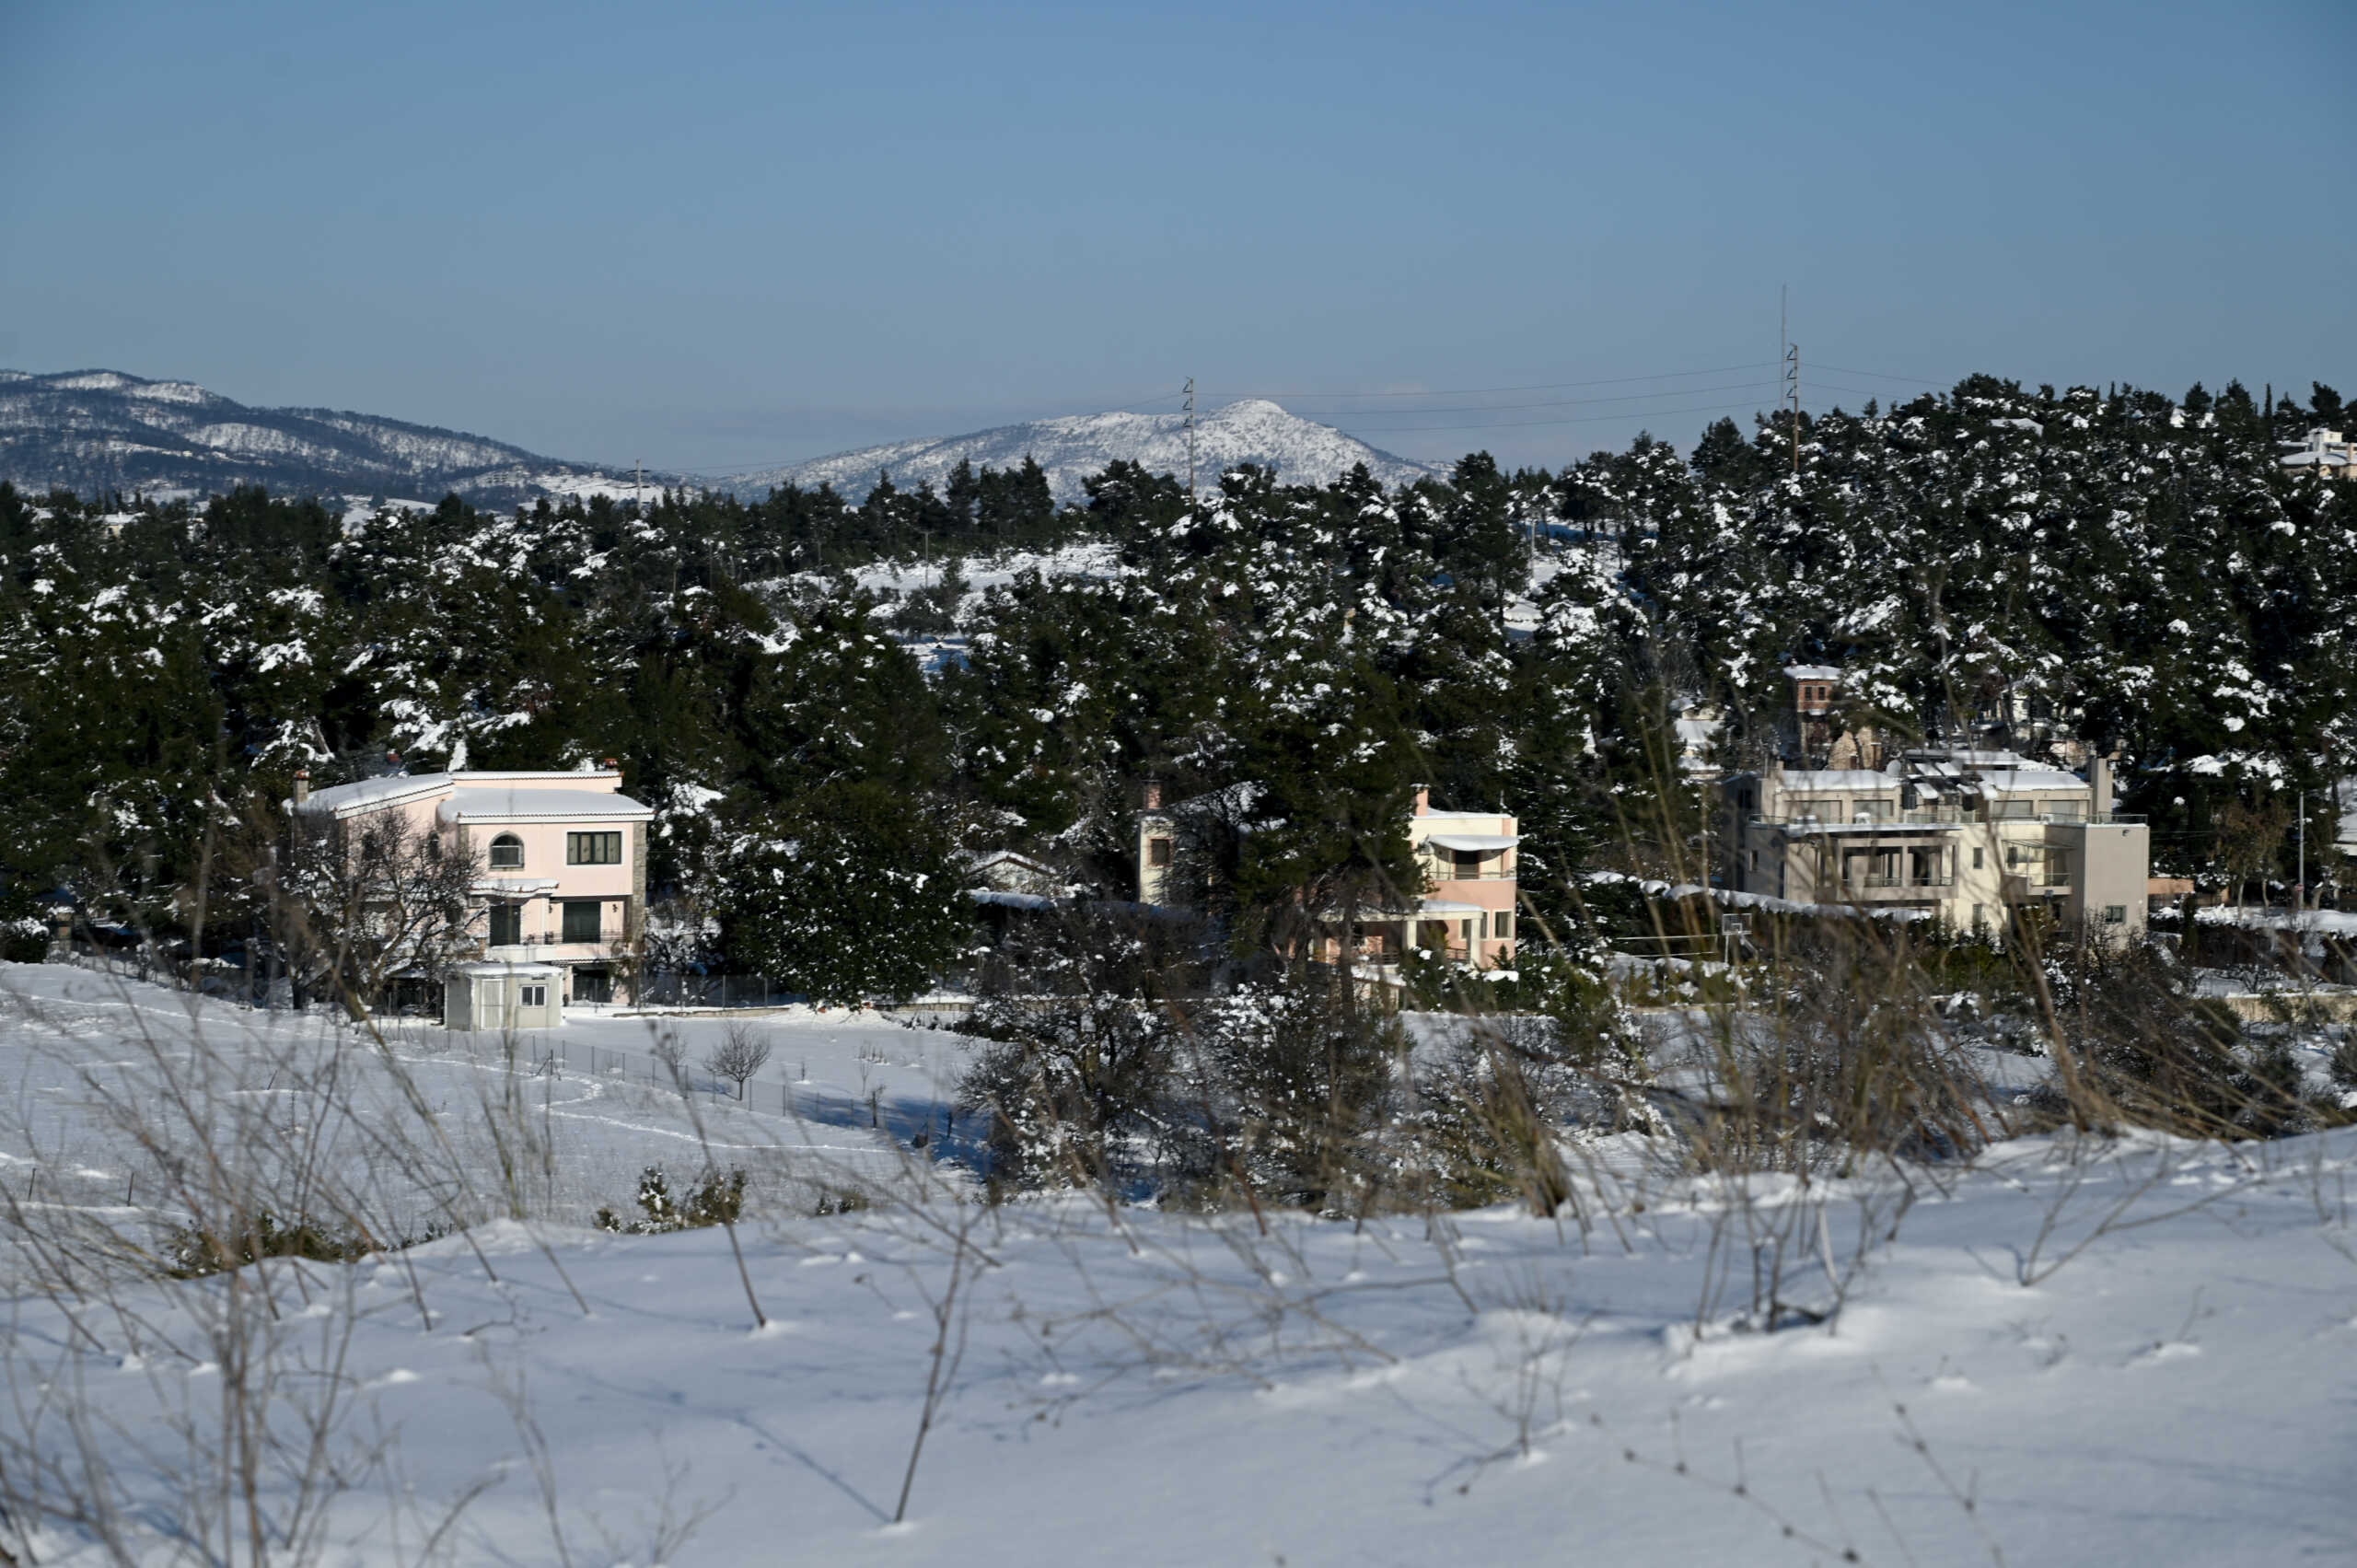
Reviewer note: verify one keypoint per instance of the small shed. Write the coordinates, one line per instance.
(492, 996)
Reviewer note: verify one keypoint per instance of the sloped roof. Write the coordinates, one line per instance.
(371, 795)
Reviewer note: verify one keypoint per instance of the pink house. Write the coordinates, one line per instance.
(563, 859)
(1464, 911)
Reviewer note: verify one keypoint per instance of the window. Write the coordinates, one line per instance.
(1979, 860)
(585, 920)
(1467, 864)
(2115, 914)
(1157, 852)
(593, 848)
(506, 925)
(1501, 925)
(533, 995)
(507, 852)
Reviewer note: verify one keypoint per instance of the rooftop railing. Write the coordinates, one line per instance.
(1929, 817)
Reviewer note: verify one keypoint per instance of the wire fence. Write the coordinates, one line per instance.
(676, 988)
(795, 1096)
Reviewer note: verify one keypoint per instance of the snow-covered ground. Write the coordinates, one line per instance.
(2132, 1353)
(1084, 558)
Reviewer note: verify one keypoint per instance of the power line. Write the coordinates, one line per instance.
(1504, 408)
(1577, 419)
(1486, 392)
(1355, 416)
(1884, 375)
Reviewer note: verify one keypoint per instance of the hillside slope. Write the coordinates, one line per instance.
(1070, 448)
(92, 431)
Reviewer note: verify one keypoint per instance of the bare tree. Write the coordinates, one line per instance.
(743, 1050)
(359, 903)
(2249, 840)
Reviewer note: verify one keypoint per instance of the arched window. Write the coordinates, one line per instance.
(507, 852)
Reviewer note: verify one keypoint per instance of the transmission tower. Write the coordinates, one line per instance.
(1190, 446)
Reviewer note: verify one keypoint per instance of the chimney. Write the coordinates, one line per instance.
(612, 766)
(1424, 800)
(1153, 795)
(302, 785)
(2099, 776)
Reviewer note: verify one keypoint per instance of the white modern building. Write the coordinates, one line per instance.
(1967, 836)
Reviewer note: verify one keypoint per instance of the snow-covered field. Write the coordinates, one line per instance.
(2133, 1353)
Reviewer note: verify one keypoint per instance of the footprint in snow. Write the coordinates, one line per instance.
(2164, 1350)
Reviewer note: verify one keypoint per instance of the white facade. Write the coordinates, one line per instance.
(1966, 836)
(496, 998)
(2325, 452)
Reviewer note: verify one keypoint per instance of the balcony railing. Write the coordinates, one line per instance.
(1880, 884)
(1947, 819)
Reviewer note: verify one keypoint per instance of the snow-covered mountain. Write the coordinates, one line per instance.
(95, 430)
(99, 430)
(1253, 431)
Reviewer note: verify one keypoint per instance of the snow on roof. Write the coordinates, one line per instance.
(1811, 672)
(980, 859)
(1489, 843)
(1808, 780)
(1954, 757)
(510, 804)
(370, 795)
(395, 789)
(2026, 780)
(1773, 905)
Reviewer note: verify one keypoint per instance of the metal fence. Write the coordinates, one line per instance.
(672, 988)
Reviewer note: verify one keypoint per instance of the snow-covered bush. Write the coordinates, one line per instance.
(714, 1199)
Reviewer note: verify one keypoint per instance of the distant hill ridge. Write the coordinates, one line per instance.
(1070, 448)
(91, 431)
(94, 431)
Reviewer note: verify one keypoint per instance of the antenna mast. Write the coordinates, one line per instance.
(1190, 446)
(1793, 400)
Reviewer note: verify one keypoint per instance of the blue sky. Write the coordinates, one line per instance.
(717, 235)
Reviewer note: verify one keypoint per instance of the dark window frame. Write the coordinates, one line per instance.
(601, 847)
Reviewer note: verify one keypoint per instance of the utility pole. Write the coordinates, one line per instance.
(2300, 888)
(1191, 446)
(637, 482)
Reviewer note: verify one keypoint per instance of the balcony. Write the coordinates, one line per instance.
(1867, 887)
(1946, 819)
